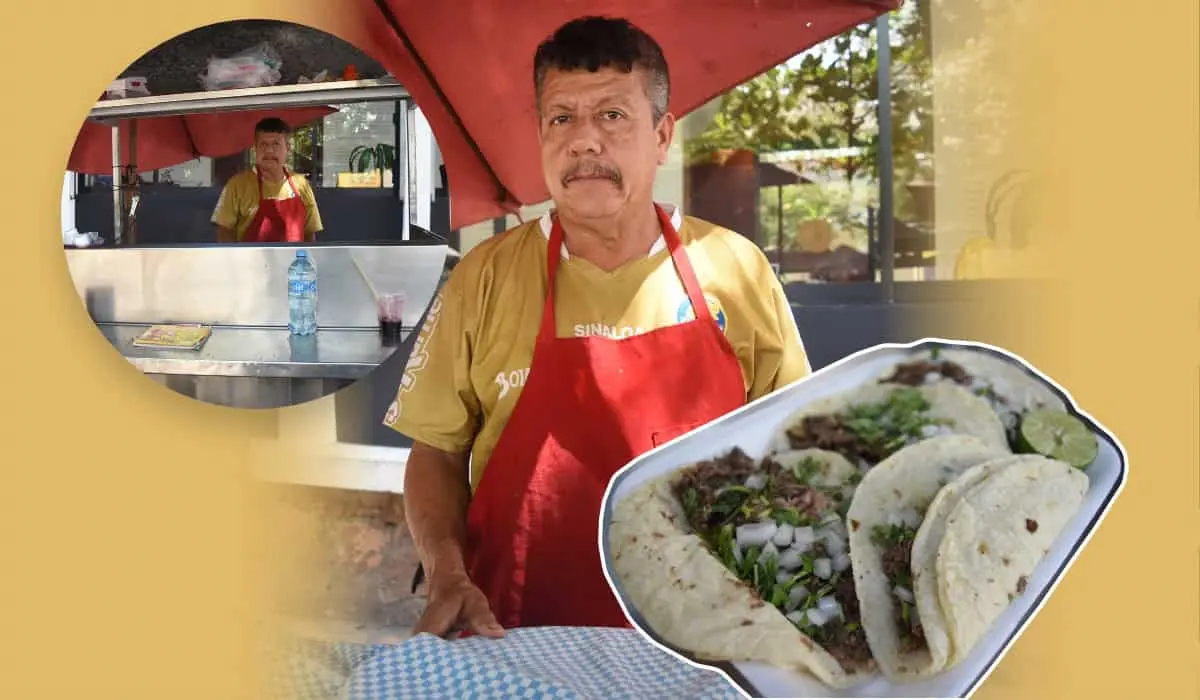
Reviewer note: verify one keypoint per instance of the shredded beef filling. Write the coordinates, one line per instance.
(702, 482)
(829, 433)
(897, 567)
(790, 493)
(848, 643)
(915, 373)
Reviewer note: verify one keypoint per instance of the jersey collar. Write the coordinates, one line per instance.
(544, 222)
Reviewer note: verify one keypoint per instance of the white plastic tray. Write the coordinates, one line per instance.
(753, 428)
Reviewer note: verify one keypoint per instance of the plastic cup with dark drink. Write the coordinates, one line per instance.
(391, 314)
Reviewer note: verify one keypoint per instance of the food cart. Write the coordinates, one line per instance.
(250, 359)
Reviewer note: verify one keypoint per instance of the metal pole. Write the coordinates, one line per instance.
(887, 213)
(872, 245)
(129, 213)
(779, 228)
(410, 168)
(402, 175)
(118, 208)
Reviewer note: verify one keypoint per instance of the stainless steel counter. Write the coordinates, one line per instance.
(251, 361)
(246, 285)
(249, 352)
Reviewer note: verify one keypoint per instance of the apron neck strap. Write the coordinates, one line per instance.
(683, 267)
(286, 176)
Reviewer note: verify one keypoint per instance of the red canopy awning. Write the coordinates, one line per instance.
(469, 67)
(166, 141)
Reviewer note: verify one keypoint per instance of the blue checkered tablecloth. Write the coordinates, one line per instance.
(544, 663)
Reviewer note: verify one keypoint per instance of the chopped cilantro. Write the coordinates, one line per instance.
(891, 535)
(805, 470)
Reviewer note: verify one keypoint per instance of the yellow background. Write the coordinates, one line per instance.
(130, 574)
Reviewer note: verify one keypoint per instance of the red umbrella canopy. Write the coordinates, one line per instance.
(469, 67)
(166, 141)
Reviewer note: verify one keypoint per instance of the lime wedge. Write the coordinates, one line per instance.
(1060, 436)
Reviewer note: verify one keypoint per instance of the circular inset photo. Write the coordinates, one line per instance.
(249, 214)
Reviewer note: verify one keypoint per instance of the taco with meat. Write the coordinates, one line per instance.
(906, 528)
(1006, 386)
(871, 422)
(737, 559)
(883, 521)
(983, 536)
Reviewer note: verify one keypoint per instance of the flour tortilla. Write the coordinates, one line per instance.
(691, 601)
(966, 413)
(908, 480)
(988, 549)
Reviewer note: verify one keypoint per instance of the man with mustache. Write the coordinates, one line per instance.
(565, 347)
(268, 204)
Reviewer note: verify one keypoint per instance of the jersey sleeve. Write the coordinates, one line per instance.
(435, 402)
(225, 214)
(780, 358)
(312, 219)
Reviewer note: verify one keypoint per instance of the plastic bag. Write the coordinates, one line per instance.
(258, 66)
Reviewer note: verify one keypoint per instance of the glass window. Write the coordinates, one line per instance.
(353, 147)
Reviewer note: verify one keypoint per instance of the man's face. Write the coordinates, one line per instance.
(270, 151)
(600, 145)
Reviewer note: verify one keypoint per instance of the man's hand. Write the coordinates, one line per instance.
(457, 604)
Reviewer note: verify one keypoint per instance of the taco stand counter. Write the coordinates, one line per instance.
(251, 360)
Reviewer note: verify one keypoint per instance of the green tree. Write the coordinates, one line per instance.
(827, 98)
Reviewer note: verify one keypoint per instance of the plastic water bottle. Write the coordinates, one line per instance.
(302, 295)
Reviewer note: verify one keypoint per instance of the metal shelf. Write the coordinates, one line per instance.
(301, 95)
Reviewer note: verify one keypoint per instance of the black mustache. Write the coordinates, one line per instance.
(590, 170)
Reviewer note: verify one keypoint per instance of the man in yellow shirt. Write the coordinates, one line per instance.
(268, 204)
(565, 347)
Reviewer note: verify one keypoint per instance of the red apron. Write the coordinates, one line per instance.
(277, 220)
(589, 406)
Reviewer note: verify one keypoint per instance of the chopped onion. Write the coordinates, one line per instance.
(803, 538)
(904, 594)
(841, 562)
(931, 377)
(756, 482)
(848, 492)
(783, 536)
(830, 519)
(833, 538)
(834, 525)
(797, 595)
(769, 551)
(816, 617)
(797, 617)
(737, 555)
(791, 559)
(783, 577)
(931, 430)
(755, 534)
(823, 568)
(829, 606)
